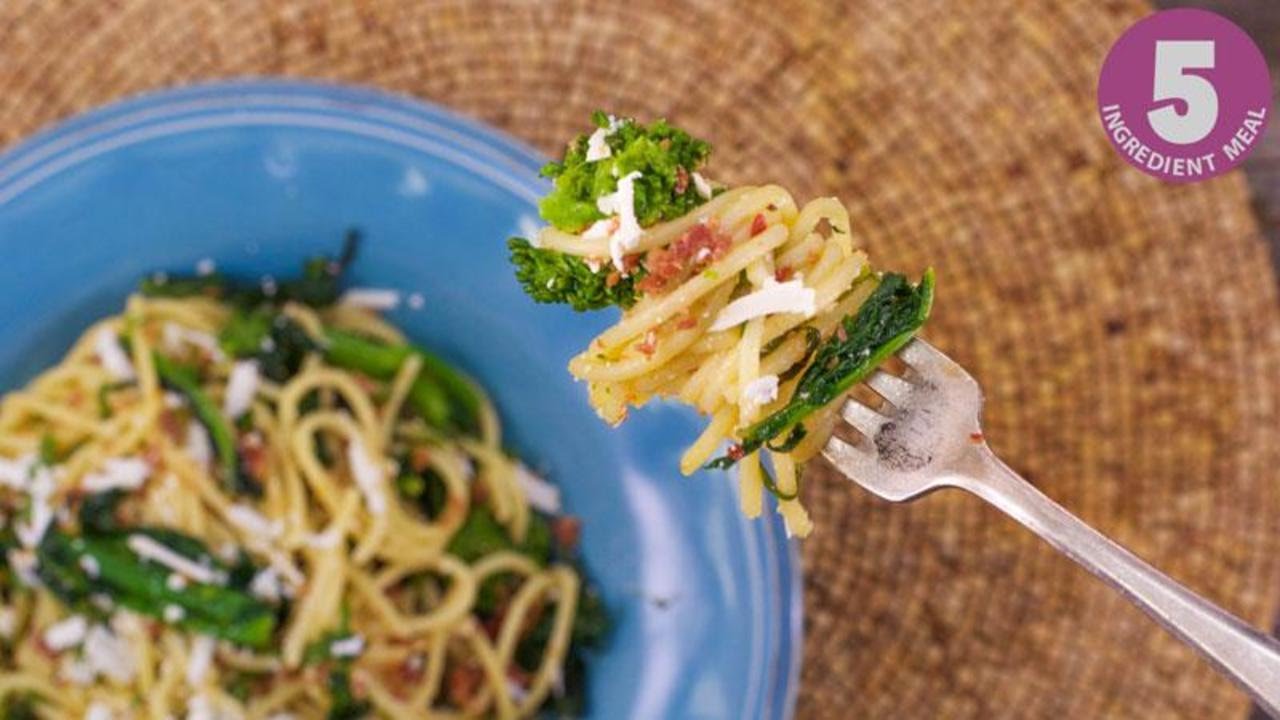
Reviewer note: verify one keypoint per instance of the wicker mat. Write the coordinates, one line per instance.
(1125, 331)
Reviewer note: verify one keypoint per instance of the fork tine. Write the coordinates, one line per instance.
(891, 387)
(924, 358)
(862, 418)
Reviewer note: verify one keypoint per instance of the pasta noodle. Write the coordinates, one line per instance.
(365, 586)
(665, 346)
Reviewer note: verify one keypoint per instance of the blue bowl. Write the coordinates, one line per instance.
(257, 175)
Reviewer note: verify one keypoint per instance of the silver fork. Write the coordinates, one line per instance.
(927, 437)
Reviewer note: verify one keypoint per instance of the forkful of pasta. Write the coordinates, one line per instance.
(764, 315)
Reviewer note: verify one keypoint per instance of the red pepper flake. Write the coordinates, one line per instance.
(735, 452)
(420, 458)
(682, 180)
(697, 247)
(463, 682)
(254, 454)
(687, 321)
(566, 529)
(612, 279)
(758, 225)
(784, 273)
(976, 438)
(650, 344)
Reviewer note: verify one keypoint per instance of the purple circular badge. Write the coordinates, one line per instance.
(1184, 95)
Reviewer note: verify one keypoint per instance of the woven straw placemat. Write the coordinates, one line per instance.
(1125, 331)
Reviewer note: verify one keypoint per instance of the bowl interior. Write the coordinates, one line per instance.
(257, 176)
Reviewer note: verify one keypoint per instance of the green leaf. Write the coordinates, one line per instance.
(482, 535)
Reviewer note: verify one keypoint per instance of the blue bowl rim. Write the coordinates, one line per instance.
(488, 151)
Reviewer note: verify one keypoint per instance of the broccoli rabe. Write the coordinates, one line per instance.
(555, 277)
(665, 158)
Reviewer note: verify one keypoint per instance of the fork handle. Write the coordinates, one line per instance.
(1249, 658)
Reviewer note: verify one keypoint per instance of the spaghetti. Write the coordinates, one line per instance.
(757, 311)
(220, 505)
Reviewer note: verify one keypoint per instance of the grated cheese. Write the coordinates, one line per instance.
(175, 582)
(371, 298)
(349, 646)
(368, 476)
(416, 301)
(242, 386)
(254, 522)
(121, 473)
(106, 345)
(24, 563)
(197, 444)
(761, 391)
(89, 564)
(622, 202)
(98, 711)
(266, 585)
(149, 549)
(201, 657)
(205, 267)
(774, 298)
(175, 336)
(66, 633)
(41, 515)
(542, 495)
(702, 186)
(17, 473)
(174, 614)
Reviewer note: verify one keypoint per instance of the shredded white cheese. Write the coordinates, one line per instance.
(542, 495)
(149, 549)
(597, 148)
(416, 301)
(200, 659)
(175, 336)
(89, 564)
(173, 400)
(368, 476)
(41, 513)
(66, 633)
(254, 522)
(175, 582)
(371, 298)
(75, 671)
(266, 585)
(106, 345)
(205, 267)
(173, 614)
(24, 563)
(774, 298)
(349, 646)
(242, 386)
(98, 711)
(701, 185)
(761, 391)
(622, 202)
(326, 540)
(120, 473)
(197, 444)
(17, 473)
(600, 230)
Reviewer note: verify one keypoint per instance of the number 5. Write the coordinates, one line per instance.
(1173, 58)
